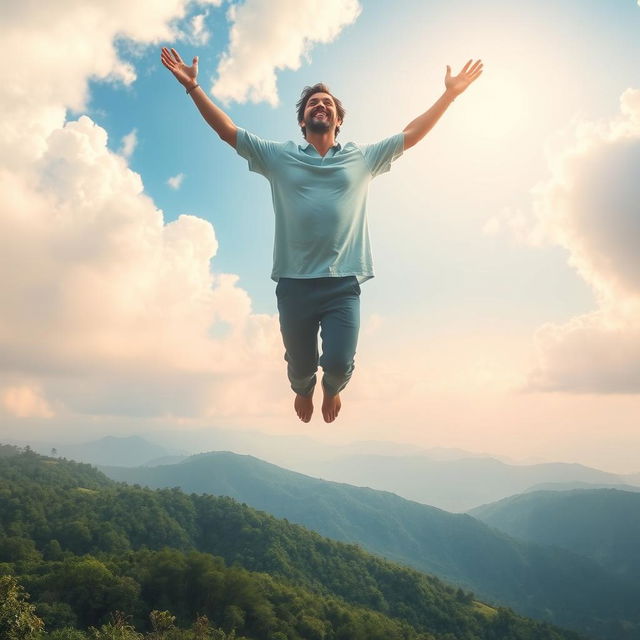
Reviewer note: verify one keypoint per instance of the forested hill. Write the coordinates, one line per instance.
(84, 546)
(545, 583)
(601, 524)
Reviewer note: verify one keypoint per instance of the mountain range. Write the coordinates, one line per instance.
(450, 479)
(544, 582)
(84, 547)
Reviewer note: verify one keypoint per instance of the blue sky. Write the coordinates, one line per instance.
(502, 294)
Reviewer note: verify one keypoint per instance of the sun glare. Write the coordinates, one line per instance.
(497, 106)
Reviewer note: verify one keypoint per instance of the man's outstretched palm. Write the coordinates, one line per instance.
(172, 60)
(457, 84)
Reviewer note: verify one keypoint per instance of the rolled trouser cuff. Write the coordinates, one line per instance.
(303, 387)
(334, 383)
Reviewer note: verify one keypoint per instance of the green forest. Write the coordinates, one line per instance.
(83, 557)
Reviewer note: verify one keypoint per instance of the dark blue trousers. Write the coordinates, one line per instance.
(331, 305)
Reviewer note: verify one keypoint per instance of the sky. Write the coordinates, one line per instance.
(136, 246)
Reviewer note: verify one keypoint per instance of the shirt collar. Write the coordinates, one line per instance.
(309, 147)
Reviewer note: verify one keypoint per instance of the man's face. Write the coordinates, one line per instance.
(320, 114)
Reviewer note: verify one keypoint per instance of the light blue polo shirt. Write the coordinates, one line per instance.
(320, 203)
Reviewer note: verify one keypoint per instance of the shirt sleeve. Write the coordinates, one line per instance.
(380, 155)
(259, 153)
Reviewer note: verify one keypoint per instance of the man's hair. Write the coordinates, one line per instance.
(307, 92)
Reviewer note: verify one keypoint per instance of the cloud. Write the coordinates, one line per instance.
(105, 308)
(271, 35)
(593, 353)
(129, 143)
(25, 402)
(199, 33)
(176, 181)
(589, 206)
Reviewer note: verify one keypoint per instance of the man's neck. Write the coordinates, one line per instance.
(321, 141)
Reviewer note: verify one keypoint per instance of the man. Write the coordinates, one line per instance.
(321, 248)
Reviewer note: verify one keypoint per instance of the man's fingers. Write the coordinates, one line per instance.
(474, 76)
(166, 60)
(475, 66)
(466, 66)
(176, 55)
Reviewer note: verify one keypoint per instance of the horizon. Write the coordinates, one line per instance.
(505, 312)
(452, 453)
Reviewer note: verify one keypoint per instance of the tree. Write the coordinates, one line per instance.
(18, 620)
(66, 634)
(161, 623)
(118, 629)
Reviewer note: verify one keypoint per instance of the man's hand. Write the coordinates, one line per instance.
(215, 117)
(186, 75)
(457, 84)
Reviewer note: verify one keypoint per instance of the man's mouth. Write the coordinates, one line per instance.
(319, 115)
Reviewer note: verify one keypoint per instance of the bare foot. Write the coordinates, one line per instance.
(304, 406)
(330, 406)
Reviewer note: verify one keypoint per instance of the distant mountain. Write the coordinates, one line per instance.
(631, 478)
(156, 462)
(454, 485)
(296, 452)
(448, 478)
(570, 486)
(549, 584)
(130, 451)
(601, 524)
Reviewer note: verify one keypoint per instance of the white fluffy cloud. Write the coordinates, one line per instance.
(106, 309)
(590, 206)
(271, 35)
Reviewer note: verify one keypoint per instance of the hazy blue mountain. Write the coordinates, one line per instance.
(294, 452)
(452, 479)
(297, 452)
(156, 462)
(532, 579)
(631, 478)
(128, 451)
(570, 486)
(601, 524)
(454, 485)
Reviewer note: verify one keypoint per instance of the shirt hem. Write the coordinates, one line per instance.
(362, 277)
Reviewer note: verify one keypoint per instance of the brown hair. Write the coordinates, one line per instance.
(307, 92)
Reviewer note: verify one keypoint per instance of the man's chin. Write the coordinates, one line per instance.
(319, 126)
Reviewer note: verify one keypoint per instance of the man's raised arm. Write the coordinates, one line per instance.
(219, 121)
(454, 86)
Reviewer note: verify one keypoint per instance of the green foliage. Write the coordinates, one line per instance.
(18, 620)
(118, 628)
(162, 622)
(56, 615)
(7, 450)
(66, 634)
